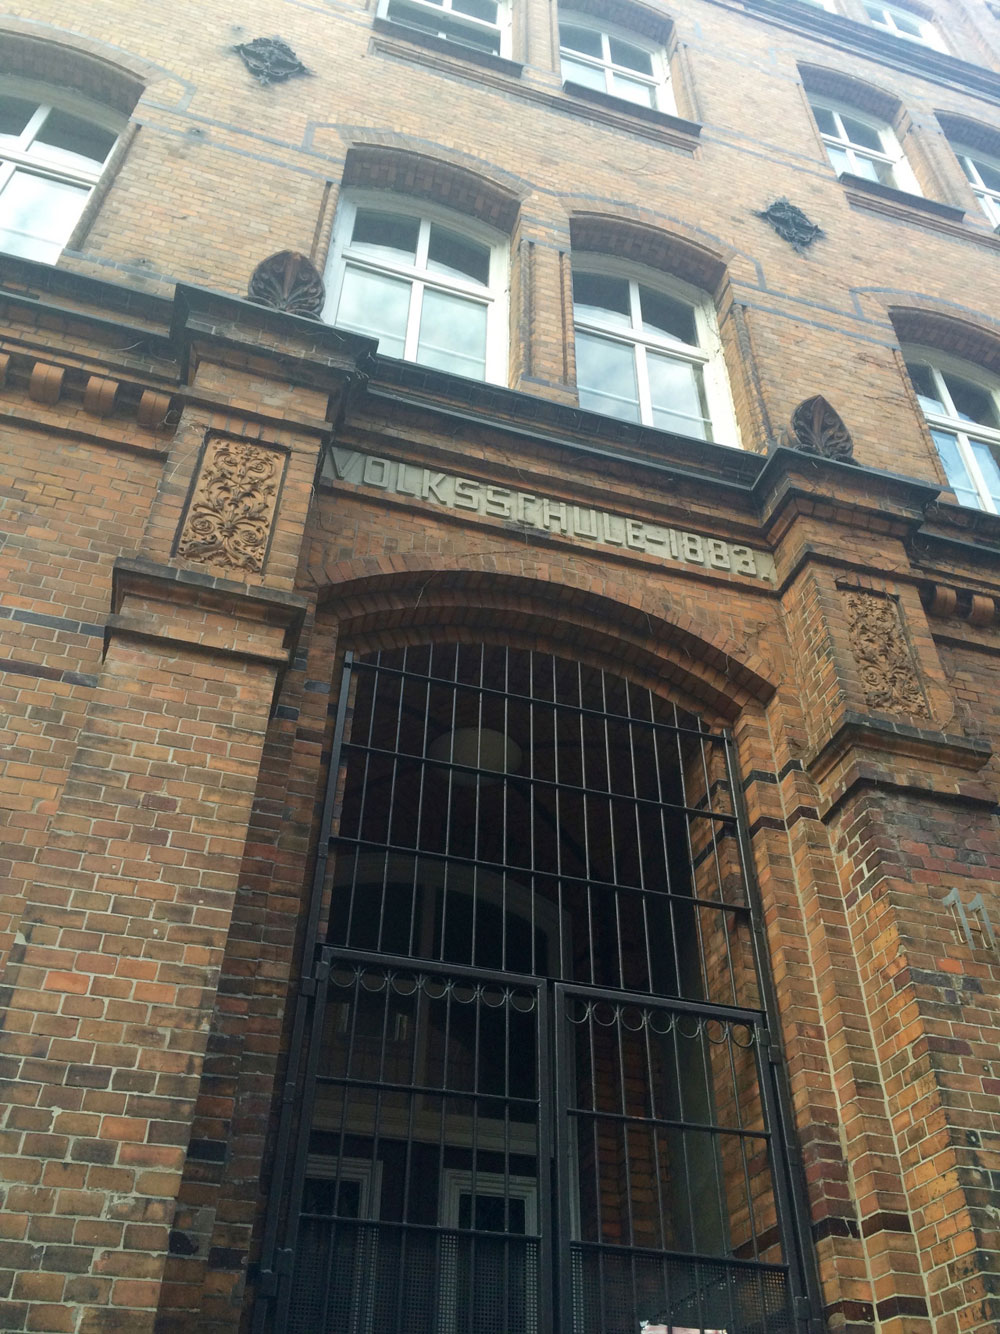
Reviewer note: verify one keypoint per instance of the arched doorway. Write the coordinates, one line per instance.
(534, 1091)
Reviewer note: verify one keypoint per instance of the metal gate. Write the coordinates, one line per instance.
(531, 1086)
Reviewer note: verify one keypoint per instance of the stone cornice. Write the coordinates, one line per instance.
(865, 40)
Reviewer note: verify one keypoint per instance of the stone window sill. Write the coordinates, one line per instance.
(900, 203)
(628, 110)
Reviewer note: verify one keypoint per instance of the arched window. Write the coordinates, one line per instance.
(904, 23)
(962, 407)
(429, 285)
(647, 350)
(53, 148)
(613, 61)
(861, 144)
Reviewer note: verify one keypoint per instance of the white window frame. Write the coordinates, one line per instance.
(16, 157)
(929, 35)
(494, 296)
(453, 22)
(456, 1182)
(989, 199)
(966, 433)
(659, 83)
(892, 154)
(707, 354)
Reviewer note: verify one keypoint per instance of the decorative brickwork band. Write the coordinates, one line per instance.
(228, 521)
(888, 676)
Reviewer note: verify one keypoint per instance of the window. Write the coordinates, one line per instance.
(645, 353)
(859, 145)
(962, 408)
(539, 1025)
(483, 24)
(50, 159)
(430, 287)
(620, 65)
(983, 174)
(903, 23)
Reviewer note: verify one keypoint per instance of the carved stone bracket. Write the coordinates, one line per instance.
(885, 664)
(288, 281)
(270, 60)
(816, 428)
(791, 224)
(229, 517)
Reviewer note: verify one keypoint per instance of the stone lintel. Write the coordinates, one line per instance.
(204, 612)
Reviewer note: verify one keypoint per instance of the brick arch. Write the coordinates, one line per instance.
(104, 73)
(478, 191)
(679, 252)
(969, 133)
(599, 621)
(855, 92)
(970, 339)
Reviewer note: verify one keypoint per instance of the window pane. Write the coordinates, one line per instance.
(585, 41)
(37, 215)
(386, 231)
(631, 90)
(678, 397)
(990, 175)
(955, 470)
(865, 136)
(876, 14)
(15, 113)
(885, 173)
(453, 334)
(841, 162)
(631, 57)
(665, 315)
(371, 303)
(972, 404)
(911, 26)
(590, 76)
(598, 297)
(826, 122)
(72, 142)
(605, 377)
(485, 10)
(923, 383)
(988, 467)
(448, 252)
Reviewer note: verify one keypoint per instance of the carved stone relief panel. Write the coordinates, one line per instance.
(885, 663)
(229, 516)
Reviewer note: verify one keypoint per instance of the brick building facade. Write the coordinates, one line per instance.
(500, 813)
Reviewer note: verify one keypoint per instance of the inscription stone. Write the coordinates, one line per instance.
(545, 514)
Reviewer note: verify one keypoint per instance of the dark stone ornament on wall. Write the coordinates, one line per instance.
(288, 281)
(816, 428)
(791, 224)
(270, 60)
